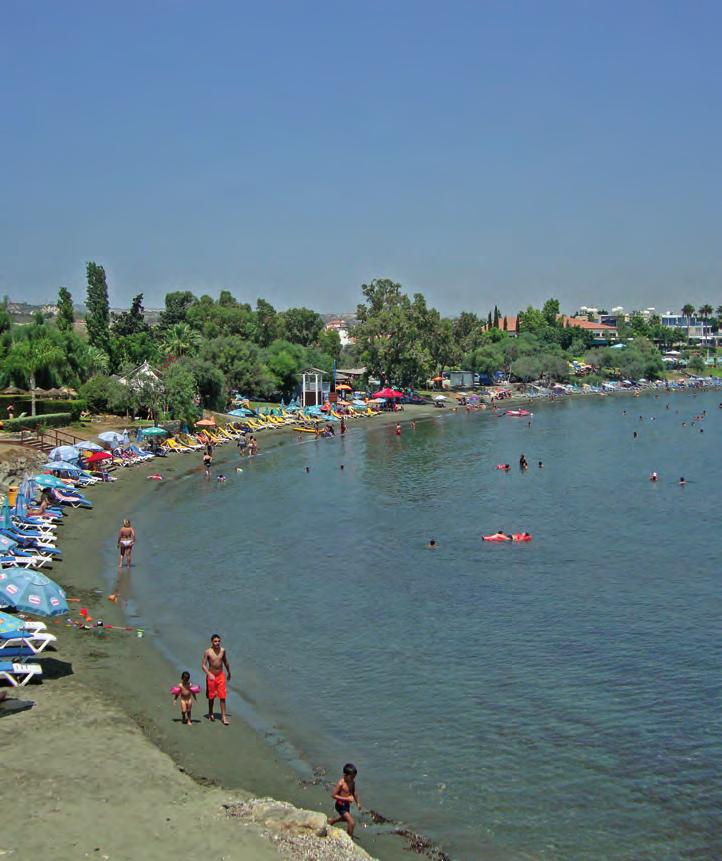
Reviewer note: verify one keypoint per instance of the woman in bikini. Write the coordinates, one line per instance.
(126, 540)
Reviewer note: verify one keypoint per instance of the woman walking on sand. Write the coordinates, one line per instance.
(126, 540)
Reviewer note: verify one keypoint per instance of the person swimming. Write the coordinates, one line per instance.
(221, 478)
(541, 465)
(681, 480)
(432, 544)
(653, 476)
(523, 463)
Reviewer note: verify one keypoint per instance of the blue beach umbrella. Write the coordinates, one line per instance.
(61, 466)
(64, 452)
(87, 445)
(6, 518)
(21, 505)
(10, 623)
(51, 481)
(32, 592)
(240, 412)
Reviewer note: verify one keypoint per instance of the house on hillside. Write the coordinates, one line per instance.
(603, 333)
(143, 375)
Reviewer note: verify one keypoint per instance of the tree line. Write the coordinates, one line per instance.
(205, 348)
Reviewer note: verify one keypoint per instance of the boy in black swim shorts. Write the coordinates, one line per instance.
(343, 794)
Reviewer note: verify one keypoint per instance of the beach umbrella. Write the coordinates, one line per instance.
(125, 439)
(113, 437)
(343, 388)
(87, 445)
(21, 504)
(6, 518)
(206, 423)
(154, 431)
(388, 393)
(98, 456)
(440, 398)
(32, 592)
(50, 481)
(29, 488)
(64, 452)
(61, 466)
(10, 623)
(242, 412)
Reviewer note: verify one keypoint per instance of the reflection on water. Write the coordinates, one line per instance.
(556, 700)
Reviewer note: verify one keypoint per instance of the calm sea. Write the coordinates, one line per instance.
(555, 700)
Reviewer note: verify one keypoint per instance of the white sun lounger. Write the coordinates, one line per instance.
(36, 641)
(18, 675)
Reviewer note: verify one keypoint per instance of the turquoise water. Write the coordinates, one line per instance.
(555, 700)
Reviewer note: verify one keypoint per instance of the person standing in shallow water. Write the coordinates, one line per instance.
(126, 540)
(213, 663)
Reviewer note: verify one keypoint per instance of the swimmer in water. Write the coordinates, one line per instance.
(341, 467)
(413, 424)
(653, 476)
(682, 481)
(432, 544)
(398, 430)
(308, 469)
(523, 464)
(541, 465)
(221, 478)
(635, 434)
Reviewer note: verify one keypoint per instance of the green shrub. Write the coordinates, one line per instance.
(48, 420)
(23, 404)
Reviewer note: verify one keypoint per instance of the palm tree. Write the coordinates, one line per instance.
(96, 360)
(687, 310)
(719, 311)
(180, 339)
(706, 311)
(30, 357)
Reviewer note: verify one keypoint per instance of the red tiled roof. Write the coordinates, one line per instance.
(585, 324)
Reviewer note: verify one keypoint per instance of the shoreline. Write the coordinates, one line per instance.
(130, 677)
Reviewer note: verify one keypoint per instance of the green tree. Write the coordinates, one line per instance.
(486, 360)
(210, 382)
(706, 311)
(180, 392)
(329, 342)
(97, 318)
(176, 309)
(180, 340)
(550, 311)
(267, 324)
(526, 368)
(688, 310)
(66, 313)
(696, 364)
(29, 357)
(131, 322)
(301, 326)
(467, 328)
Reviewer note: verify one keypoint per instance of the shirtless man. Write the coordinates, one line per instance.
(212, 664)
(343, 794)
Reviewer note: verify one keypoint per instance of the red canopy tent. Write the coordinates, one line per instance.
(388, 393)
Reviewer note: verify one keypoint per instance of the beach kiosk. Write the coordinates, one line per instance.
(312, 389)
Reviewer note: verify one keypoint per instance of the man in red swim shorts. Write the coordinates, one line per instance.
(212, 664)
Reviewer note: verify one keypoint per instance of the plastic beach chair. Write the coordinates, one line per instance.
(18, 675)
(36, 642)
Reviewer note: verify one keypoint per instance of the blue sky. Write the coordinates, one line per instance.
(485, 152)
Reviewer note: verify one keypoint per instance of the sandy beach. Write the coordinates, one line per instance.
(109, 768)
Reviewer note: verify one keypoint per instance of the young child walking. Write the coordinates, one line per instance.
(187, 695)
(343, 794)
